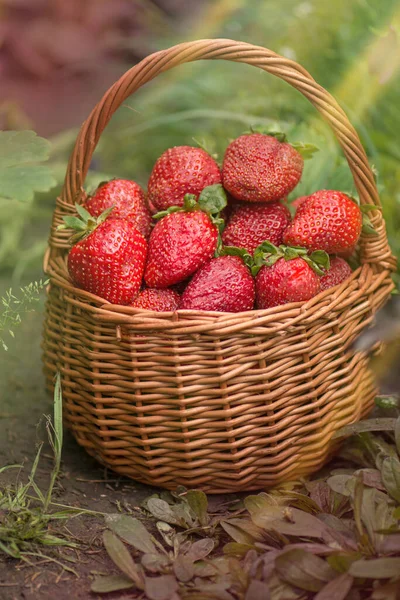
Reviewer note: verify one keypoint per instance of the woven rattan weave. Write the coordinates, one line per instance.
(221, 401)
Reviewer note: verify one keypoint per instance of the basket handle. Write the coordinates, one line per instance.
(375, 249)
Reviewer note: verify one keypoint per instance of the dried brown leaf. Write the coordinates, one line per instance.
(121, 557)
(242, 530)
(155, 563)
(257, 590)
(337, 589)
(389, 591)
(326, 499)
(285, 520)
(163, 511)
(131, 531)
(377, 568)
(183, 568)
(200, 549)
(397, 435)
(303, 570)
(161, 588)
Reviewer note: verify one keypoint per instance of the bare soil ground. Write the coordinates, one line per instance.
(83, 483)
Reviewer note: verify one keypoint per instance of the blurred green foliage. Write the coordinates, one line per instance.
(350, 48)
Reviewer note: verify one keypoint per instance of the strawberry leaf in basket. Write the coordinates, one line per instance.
(21, 175)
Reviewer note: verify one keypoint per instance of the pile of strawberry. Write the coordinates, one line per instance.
(211, 238)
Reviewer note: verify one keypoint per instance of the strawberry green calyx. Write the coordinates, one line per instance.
(241, 252)
(84, 225)
(367, 226)
(211, 200)
(268, 254)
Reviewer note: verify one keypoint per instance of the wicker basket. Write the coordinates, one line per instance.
(225, 402)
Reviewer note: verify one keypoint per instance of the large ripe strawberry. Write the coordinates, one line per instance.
(181, 170)
(260, 168)
(327, 220)
(286, 281)
(223, 284)
(109, 259)
(179, 245)
(251, 224)
(338, 272)
(185, 238)
(285, 274)
(128, 200)
(157, 300)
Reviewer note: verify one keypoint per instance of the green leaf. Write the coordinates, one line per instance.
(111, 583)
(213, 199)
(388, 403)
(132, 531)
(306, 150)
(377, 568)
(237, 549)
(58, 422)
(121, 557)
(390, 470)
(2, 469)
(367, 226)
(363, 426)
(198, 502)
(234, 251)
(365, 208)
(304, 570)
(20, 175)
(321, 258)
(314, 266)
(82, 212)
(279, 135)
(168, 211)
(73, 223)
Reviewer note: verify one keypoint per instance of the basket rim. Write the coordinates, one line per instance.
(322, 307)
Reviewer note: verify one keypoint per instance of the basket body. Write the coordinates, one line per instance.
(225, 402)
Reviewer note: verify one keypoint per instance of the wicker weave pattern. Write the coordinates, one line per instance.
(224, 401)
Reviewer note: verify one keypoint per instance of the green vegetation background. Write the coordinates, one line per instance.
(351, 48)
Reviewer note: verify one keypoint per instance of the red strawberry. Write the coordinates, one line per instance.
(285, 281)
(250, 224)
(109, 262)
(259, 168)
(128, 200)
(158, 300)
(327, 220)
(179, 245)
(179, 171)
(223, 284)
(298, 202)
(337, 273)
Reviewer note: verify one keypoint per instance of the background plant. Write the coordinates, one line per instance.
(351, 48)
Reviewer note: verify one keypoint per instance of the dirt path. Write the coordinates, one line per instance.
(83, 483)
